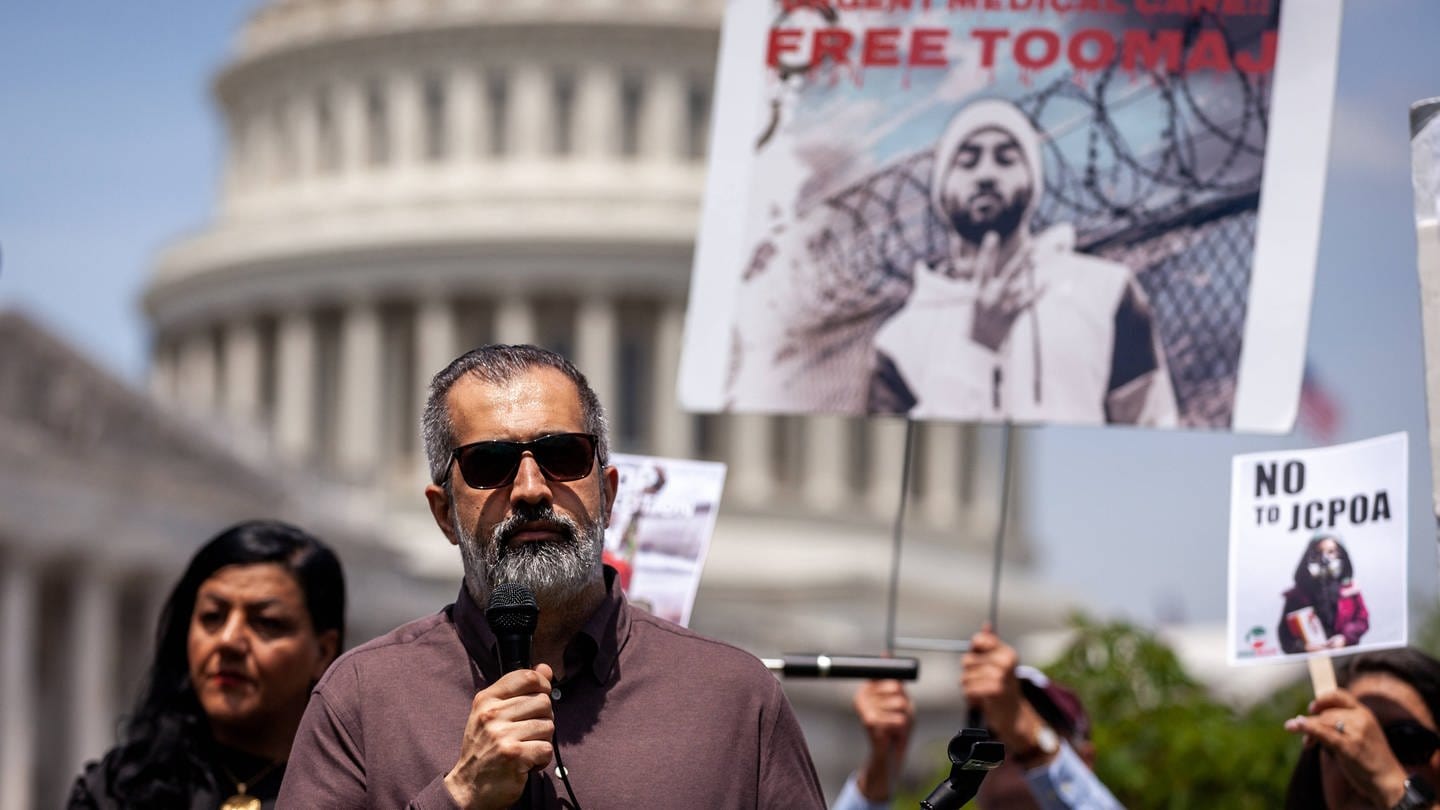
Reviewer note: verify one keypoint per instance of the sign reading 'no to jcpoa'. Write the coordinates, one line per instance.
(1318, 550)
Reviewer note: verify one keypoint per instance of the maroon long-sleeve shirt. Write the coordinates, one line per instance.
(650, 715)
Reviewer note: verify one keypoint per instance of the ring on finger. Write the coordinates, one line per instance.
(1339, 726)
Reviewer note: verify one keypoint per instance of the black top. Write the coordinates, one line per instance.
(220, 768)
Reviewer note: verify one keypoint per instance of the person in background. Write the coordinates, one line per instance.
(251, 626)
(1046, 733)
(1372, 743)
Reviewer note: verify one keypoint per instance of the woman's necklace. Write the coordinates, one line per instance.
(241, 800)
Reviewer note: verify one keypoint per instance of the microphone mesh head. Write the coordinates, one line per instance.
(512, 609)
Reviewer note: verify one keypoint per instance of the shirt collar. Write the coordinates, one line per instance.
(597, 644)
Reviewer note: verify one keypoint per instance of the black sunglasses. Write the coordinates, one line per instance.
(1410, 742)
(561, 457)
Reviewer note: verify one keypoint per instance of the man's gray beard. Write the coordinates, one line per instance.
(557, 572)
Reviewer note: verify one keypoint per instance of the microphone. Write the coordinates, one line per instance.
(512, 615)
(871, 667)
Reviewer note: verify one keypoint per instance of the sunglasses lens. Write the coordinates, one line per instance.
(1412, 743)
(489, 464)
(566, 457)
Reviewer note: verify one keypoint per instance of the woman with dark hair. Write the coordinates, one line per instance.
(1372, 743)
(1324, 610)
(251, 626)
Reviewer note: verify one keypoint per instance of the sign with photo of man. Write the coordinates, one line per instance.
(1318, 550)
(1095, 213)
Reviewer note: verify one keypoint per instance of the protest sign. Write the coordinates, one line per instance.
(1013, 210)
(1318, 550)
(660, 529)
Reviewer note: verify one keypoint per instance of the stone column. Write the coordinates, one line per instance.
(826, 461)
(662, 118)
(530, 114)
(304, 114)
(673, 427)
(242, 372)
(463, 101)
(597, 112)
(407, 97)
(941, 504)
(596, 346)
(19, 619)
(350, 126)
(92, 720)
(296, 385)
(197, 371)
(887, 464)
(435, 346)
(358, 438)
(514, 319)
(751, 474)
(162, 373)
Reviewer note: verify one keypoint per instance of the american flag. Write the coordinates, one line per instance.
(1319, 409)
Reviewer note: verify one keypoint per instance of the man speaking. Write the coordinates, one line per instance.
(622, 709)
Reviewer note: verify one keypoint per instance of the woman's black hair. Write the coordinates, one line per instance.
(1415, 668)
(158, 763)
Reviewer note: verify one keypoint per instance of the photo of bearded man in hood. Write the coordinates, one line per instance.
(1324, 609)
(1013, 323)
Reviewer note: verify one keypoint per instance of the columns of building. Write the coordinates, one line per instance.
(296, 384)
(673, 427)
(19, 618)
(597, 112)
(357, 442)
(162, 373)
(943, 452)
(514, 319)
(530, 115)
(751, 476)
(350, 128)
(463, 93)
(597, 347)
(197, 371)
(436, 345)
(886, 436)
(242, 372)
(406, 118)
(827, 460)
(92, 649)
(303, 109)
(662, 127)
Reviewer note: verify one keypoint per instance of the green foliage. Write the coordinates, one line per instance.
(1161, 741)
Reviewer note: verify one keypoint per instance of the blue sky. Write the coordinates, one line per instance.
(109, 150)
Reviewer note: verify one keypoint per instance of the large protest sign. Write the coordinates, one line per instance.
(1425, 160)
(660, 529)
(1318, 550)
(1101, 211)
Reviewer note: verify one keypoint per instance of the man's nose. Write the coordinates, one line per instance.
(530, 485)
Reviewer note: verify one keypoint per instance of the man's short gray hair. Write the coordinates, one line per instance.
(498, 364)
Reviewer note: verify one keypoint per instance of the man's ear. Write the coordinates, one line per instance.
(611, 481)
(439, 501)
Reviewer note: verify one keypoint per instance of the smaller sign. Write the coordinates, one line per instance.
(1318, 550)
(660, 529)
